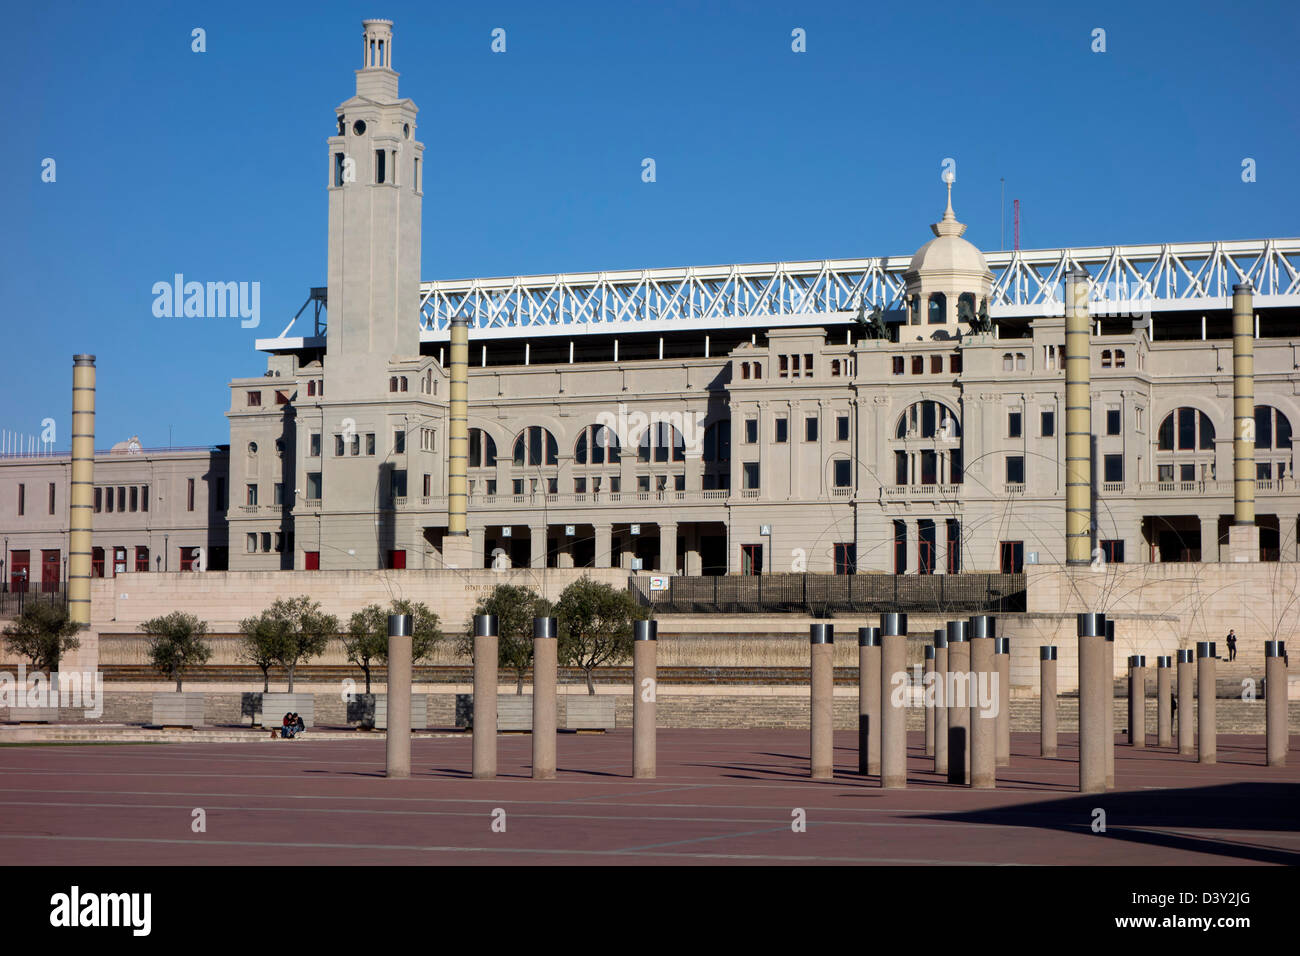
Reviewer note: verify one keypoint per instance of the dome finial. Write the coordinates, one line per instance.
(948, 226)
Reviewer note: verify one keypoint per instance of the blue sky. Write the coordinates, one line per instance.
(214, 164)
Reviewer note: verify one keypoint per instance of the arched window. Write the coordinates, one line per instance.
(1119, 358)
(536, 446)
(482, 449)
(1105, 358)
(938, 308)
(1007, 360)
(661, 441)
(597, 445)
(1272, 428)
(311, 387)
(744, 370)
(928, 420)
(1020, 361)
(1186, 429)
(717, 441)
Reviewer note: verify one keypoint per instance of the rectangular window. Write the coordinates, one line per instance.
(1263, 471)
(954, 546)
(380, 166)
(313, 485)
(1015, 469)
(783, 366)
(1165, 473)
(1013, 424)
(313, 445)
(22, 499)
(251, 495)
(810, 428)
(782, 430)
(144, 497)
(954, 363)
(807, 366)
(900, 547)
(121, 498)
(843, 473)
(356, 445)
(141, 560)
(338, 169)
(1112, 421)
(51, 497)
(311, 560)
(99, 500)
(398, 488)
(135, 498)
(1012, 555)
(643, 483)
(428, 485)
(399, 442)
(96, 562)
(277, 493)
(898, 365)
(1047, 423)
(750, 475)
(417, 174)
(338, 446)
(1186, 472)
(842, 428)
(900, 467)
(109, 498)
(1186, 428)
(254, 399)
(266, 541)
(251, 542)
(751, 559)
(918, 364)
(751, 431)
(846, 558)
(189, 494)
(1112, 551)
(370, 443)
(936, 364)
(1113, 468)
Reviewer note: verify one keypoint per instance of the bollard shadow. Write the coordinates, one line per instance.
(1152, 817)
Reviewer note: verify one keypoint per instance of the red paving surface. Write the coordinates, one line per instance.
(720, 797)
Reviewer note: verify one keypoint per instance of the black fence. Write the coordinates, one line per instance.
(12, 603)
(825, 594)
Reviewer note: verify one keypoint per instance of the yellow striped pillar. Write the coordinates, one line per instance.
(81, 496)
(1243, 535)
(1078, 420)
(456, 545)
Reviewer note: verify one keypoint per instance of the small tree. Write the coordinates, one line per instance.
(595, 623)
(177, 642)
(367, 638)
(515, 607)
(42, 633)
(261, 644)
(304, 631)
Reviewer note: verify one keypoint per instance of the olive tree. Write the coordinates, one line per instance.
(367, 637)
(177, 642)
(290, 631)
(515, 607)
(42, 634)
(595, 625)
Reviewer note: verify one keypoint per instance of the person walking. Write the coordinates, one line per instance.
(1232, 644)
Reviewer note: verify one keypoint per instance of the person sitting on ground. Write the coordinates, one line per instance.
(299, 726)
(287, 727)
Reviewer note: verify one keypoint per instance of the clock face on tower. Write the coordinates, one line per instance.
(359, 127)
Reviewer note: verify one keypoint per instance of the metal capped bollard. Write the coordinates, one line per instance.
(1090, 629)
(485, 696)
(957, 696)
(821, 723)
(545, 678)
(1207, 736)
(893, 712)
(940, 705)
(1047, 700)
(397, 743)
(868, 700)
(645, 687)
(1276, 697)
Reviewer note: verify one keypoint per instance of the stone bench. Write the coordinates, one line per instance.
(371, 711)
(514, 711)
(275, 706)
(589, 712)
(178, 710)
(33, 715)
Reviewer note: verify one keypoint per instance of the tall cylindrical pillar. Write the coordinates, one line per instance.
(1095, 696)
(1207, 736)
(485, 696)
(1164, 701)
(645, 681)
(1277, 737)
(1078, 420)
(1047, 701)
(1186, 704)
(545, 668)
(458, 428)
(869, 701)
(397, 743)
(1243, 404)
(1002, 661)
(927, 699)
(1137, 701)
(984, 704)
(81, 510)
(893, 703)
(1109, 741)
(940, 702)
(957, 696)
(821, 641)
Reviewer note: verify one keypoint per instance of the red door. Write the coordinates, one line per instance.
(397, 560)
(19, 565)
(311, 560)
(50, 571)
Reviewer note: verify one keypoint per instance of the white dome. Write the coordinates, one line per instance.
(948, 252)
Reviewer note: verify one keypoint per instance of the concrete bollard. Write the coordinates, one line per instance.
(983, 712)
(1094, 699)
(957, 698)
(821, 640)
(1207, 735)
(940, 702)
(1047, 701)
(397, 743)
(1277, 737)
(1164, 701)
(544, 702)
(1109, 740)
(893, 711)
(645, 690)
(869, 701)
(927, 701)
(1002, 659)
(1137, 701)
(1186, 704)
(485, 696)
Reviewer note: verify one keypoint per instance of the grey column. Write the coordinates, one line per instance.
(1207, 737)
(1002, 660)
(1164, 701)
(1137, 701)
(1277, 737)
(485, 696)
(645, 692)
(397, 745)
(893, 713)
(927, 701)
(1094, 699)
(821, 723)
(869, 701)
(957, 697)
(1047, 701)
(984, 705)
(1109, 737)
(544, 703)
(940, 702)
(1186, 703)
